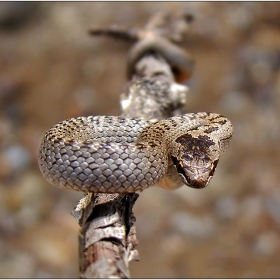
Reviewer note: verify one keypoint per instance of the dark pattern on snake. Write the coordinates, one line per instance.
(121, 155)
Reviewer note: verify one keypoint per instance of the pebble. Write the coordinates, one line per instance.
(192, 226)
(17, 157)
(15, 14)
(272, 205)
(234, 101)
(17, 264)
(267, 244)
(226, 207)
(251, 207)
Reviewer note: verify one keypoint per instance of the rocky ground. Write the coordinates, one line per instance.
(52, 70)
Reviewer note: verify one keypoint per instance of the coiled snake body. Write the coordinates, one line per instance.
(121, 155)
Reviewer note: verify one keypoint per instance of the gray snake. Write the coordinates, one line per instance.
(106, 154)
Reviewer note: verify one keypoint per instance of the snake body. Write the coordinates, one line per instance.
(179, 59)
(106, 154)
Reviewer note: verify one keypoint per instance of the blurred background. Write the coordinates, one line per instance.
(51, 70)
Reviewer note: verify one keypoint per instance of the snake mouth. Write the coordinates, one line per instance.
(193, 178)
(180, 169)
(213, 168)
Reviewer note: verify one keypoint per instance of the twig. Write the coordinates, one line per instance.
(107, 237)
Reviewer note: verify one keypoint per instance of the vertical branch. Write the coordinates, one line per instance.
(107, 236)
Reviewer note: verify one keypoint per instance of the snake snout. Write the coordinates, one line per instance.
(195, 173)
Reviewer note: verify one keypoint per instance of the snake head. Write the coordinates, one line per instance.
(195, 172)
(194, 164)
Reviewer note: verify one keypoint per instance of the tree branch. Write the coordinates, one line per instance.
(107, 236)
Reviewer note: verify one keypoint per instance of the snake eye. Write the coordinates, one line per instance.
(188, 157)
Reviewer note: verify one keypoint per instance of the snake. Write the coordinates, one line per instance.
(180, 61)
(114, 154)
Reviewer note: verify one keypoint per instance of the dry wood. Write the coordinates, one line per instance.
(107, 236)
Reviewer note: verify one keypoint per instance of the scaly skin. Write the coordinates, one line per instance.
(120, 155)
(180, 60)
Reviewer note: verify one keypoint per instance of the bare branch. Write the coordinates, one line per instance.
(107, 237)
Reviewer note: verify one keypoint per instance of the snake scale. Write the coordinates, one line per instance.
(107, 154)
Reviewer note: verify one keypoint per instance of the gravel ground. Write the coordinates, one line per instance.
(52, 70)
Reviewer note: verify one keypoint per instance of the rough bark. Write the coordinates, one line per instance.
(107, 237)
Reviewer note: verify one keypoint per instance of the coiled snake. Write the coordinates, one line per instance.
(121, 155)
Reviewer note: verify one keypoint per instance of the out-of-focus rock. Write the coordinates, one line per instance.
(267, 244)
(272, 205)
(14, 14)
(15, 159)
(192, 226)
(226, 207)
